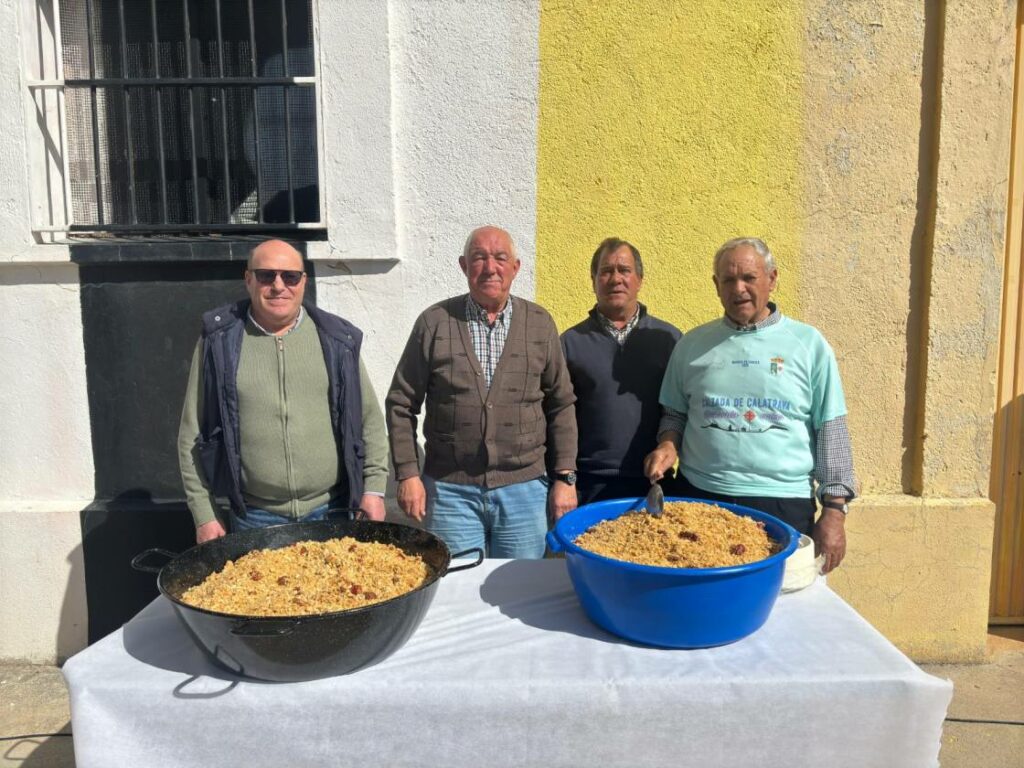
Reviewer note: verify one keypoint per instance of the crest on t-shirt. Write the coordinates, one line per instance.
(776, 366)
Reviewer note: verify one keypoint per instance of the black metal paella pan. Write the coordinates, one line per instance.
(296, 648)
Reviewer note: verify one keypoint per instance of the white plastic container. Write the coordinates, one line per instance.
(802, 567)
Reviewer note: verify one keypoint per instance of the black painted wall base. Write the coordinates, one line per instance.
(112, 534)
(140, 323)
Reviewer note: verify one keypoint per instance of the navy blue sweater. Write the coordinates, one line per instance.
(617, 389)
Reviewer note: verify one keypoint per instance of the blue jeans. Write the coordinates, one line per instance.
(260, 518)
(507, 522)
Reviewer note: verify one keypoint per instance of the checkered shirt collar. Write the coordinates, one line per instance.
(619, 334)
(774, 316)
(475, 312)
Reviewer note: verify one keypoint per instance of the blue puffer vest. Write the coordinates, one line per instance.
(219, 450)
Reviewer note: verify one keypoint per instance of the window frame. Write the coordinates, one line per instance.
(52, 219)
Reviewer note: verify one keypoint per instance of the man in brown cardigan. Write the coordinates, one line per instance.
(500, 428)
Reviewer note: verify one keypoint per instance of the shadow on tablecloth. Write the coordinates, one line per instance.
(542, 598)
(157, 638)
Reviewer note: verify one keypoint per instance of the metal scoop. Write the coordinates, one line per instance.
(655, 500)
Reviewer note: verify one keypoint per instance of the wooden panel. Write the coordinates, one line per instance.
(1007, 489)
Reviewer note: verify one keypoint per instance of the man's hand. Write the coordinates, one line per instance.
(660, 460)
(830, 538)
(373, 506)
(412, 497)
(561, 499)
(210, 530)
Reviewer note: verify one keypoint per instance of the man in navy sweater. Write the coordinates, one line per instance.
(616, 359)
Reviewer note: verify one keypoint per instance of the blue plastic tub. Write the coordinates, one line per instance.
(672, 607)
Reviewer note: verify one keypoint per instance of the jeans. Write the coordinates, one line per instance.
(507, 522)
(260, 518)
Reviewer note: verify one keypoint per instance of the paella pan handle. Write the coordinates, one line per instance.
(138, 565)
(263, 628)
(479, 559)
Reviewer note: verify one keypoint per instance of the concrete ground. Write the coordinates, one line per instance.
(985, 723)
(984, 727)
(35, 722)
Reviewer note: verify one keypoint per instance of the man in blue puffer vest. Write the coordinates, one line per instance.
(279, 416)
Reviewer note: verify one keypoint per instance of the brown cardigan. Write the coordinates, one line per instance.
(477, 436)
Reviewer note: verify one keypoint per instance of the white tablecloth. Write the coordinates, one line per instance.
(506, 670)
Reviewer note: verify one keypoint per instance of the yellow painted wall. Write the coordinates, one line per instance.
(675, 126)
(868, 143)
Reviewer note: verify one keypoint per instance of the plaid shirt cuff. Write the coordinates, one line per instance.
(671, 421)
(833, 460)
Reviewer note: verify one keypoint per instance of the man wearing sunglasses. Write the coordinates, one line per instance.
(499, 415)
(279, 416)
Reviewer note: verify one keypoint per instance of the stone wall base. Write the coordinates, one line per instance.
(919, 570)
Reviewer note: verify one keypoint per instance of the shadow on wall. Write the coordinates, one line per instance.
(70, 630)
(920, 247)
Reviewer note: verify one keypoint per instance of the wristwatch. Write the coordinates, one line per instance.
(833, 504)
(569, 478)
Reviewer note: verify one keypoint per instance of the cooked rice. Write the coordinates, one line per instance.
(687, 535)
(310, 577)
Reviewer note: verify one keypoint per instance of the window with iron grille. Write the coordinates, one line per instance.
(190, 115)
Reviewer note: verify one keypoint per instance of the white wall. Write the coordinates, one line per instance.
(14, 198)
(46, 450)
(429, 130)
(46, 467)
(42, 583)
(463, 87)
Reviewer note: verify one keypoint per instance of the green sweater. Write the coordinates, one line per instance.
(290, 462)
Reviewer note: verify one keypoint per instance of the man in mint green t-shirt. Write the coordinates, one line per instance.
(753, 408)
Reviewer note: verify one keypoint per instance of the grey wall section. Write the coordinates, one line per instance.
(140, 322)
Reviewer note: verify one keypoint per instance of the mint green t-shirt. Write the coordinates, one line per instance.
(754, 401)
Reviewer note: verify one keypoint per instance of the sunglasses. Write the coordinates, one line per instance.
(290, 277)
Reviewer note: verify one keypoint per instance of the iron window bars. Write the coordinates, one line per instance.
(190, 115)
